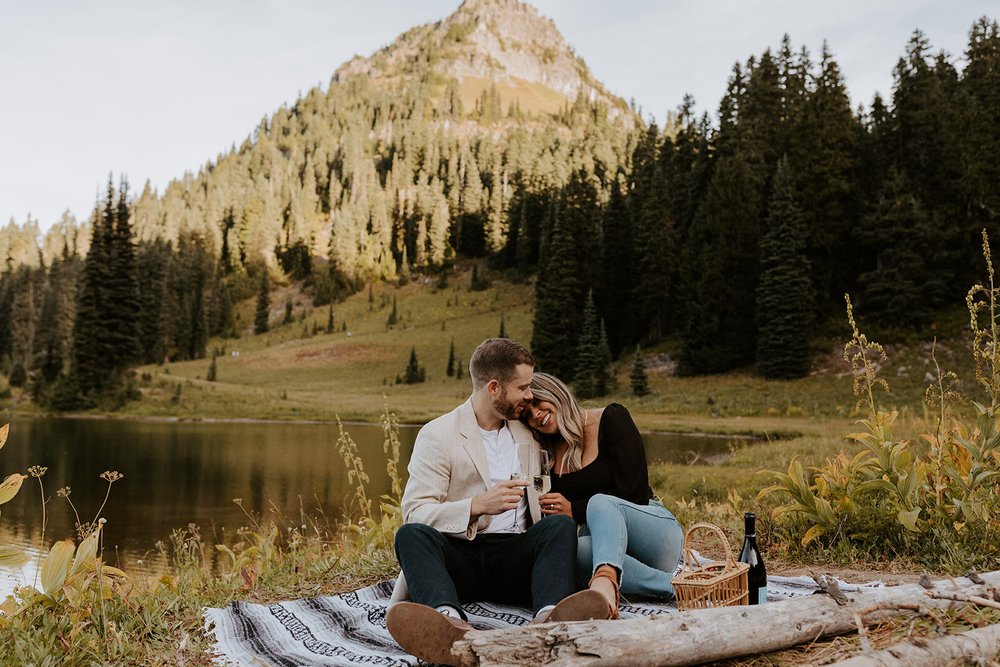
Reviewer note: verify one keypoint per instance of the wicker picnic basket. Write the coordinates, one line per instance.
(713, 584)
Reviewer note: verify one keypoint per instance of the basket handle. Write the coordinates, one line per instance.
(691, 563)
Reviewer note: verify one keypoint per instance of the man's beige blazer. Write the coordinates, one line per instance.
(448, 467)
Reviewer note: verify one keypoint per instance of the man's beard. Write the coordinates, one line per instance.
(505, 407)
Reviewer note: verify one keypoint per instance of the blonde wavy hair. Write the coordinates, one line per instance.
(570, 419)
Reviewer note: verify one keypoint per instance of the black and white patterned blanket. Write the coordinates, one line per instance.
(349, 629)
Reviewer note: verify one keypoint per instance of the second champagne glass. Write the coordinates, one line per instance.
(542, 481)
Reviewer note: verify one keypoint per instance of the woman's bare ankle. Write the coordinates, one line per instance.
(605, 587)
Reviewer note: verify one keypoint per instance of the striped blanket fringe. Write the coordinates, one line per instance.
(349, 629)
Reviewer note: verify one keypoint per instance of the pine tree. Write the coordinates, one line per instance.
(980, 85)
(394, 315)
(588, 353)
(404, 269)
(503, 331)
(639, 379)
(559, 289)
(124, 311)
(212, 370)
(459, 370)
(288, 312)
(478, 283)
(784, 295)
(899, 285)
(720, 331)
(605, 381)
(450, 371)
(329, 320)
(617, 285)
(106, 328)
(823, 162)
(414, 373)
(260, 322)
(97, 369)
(655, 255)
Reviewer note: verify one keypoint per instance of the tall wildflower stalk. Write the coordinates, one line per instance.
(861, 354)
(985, 338)
(356, 475)
(38, 472)
(390, 445)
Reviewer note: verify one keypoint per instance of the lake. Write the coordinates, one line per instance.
(178, 473)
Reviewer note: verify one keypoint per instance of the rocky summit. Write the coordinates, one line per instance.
(503, 43)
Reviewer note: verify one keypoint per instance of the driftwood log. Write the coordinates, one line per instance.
(981, 645)
(697, 637)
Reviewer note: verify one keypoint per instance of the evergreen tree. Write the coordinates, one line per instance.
(288, 312)
(185, 313)
(784, 295)
(414, 371)
(94, 347)
(450, 371)
(605, 380)
(823, 159)
(980, 87)
(900, 285)
(404, 269)
(260, 323)
(503, 332)
(557, 316)
(720, 332)
(925, 133)
(225, 317)
(588, 372)
(124, 311)
(478, 283)
(212, 370)
(459, 370)
(394, 315)
(638, 378)
(6, 301)
(655, 253)
(18, 375)
(617, 286)
(329, 320)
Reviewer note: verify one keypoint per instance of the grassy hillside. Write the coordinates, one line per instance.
(290, 373)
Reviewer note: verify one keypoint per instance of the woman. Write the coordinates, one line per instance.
(628, 540)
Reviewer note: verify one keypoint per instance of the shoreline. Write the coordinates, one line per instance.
(742, 433)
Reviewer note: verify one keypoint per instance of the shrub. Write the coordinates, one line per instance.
(940, 508)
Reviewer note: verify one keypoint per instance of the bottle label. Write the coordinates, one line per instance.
(762, 595)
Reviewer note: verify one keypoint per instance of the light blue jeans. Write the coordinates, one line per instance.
(643, 542)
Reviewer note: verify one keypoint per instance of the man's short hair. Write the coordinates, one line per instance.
(497, 358)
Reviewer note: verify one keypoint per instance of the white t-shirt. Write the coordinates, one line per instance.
(501, 453)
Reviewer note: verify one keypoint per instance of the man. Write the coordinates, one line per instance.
(473, 533)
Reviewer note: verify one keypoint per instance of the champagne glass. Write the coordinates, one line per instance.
(542, 480)
(521, 477)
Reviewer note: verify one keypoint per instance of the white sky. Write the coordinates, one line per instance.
(154, 89)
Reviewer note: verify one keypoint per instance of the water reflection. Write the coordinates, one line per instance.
(179, 473)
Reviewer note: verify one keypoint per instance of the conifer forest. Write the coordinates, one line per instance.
(734, 233)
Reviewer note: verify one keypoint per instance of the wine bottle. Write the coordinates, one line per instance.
(757, 576)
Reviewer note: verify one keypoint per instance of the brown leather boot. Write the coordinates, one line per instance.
(611, 574)
(425, 632)
(583, 606)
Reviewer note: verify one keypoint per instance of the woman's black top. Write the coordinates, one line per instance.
(619, 469)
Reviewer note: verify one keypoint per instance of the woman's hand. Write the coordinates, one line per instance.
(555, 503)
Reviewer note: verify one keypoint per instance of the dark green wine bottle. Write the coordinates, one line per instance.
(757, 576)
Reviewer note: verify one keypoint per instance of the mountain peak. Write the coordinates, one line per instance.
(504, 43)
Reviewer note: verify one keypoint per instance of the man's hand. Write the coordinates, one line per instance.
(501, 497)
